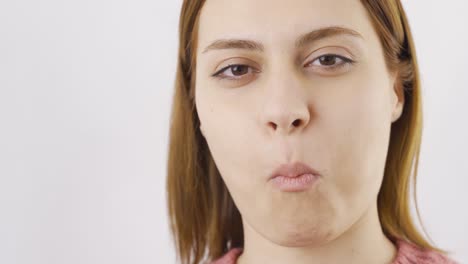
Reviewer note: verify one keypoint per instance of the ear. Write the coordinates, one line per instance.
(398, 98)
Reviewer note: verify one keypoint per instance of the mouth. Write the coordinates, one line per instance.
(293, 170)
(294, 177)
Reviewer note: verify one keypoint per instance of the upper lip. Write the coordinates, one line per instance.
(293, 170)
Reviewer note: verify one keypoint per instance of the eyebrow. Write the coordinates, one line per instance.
(302, 41)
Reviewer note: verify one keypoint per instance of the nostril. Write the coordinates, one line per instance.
(296, 122)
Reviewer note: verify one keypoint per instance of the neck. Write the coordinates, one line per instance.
(364, 242)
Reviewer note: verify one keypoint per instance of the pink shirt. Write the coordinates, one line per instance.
(408, 253)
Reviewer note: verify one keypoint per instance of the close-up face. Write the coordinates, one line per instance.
(268, 93)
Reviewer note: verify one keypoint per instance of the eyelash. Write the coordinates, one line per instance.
(346, 61)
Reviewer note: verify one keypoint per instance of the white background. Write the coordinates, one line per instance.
(85, 96)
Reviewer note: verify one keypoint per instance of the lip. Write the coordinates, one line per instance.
(294, 177)
(293, 170)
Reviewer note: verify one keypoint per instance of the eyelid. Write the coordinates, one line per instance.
(219, 74)
(345, 60)
(234, 61)
(332, 51)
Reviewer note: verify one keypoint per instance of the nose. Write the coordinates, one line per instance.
(286, 107)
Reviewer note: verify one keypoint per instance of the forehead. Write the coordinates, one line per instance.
(278, 21)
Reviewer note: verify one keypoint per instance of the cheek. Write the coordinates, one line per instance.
(358, 130)
(228, 129)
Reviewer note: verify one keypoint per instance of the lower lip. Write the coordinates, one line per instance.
(294, 184)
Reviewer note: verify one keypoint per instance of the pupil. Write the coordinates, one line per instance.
(327, 60)
(239, 70)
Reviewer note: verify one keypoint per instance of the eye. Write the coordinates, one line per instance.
(331, 61)
(234, 71)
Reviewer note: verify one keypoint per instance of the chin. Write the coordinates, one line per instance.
(300, 237)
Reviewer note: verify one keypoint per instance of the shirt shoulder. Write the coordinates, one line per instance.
(230, 257)
(407, 253)
(410, 253)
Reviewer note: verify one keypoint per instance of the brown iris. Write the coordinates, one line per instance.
(239, 70)
(327, 60)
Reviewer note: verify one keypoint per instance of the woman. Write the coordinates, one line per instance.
(294, 131)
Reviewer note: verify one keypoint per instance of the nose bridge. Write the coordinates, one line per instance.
(282, 75)
(286, 106)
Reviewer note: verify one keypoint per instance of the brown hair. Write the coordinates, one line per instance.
(203, 217)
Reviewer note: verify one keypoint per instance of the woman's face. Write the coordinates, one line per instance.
(295, 99)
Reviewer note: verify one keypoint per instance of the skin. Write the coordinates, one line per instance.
(286, 105)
